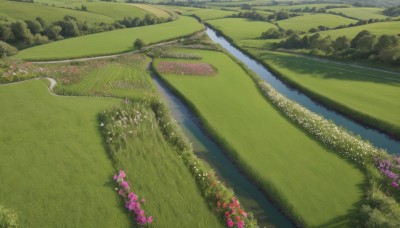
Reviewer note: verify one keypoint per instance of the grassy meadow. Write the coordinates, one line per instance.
(279, 156)
(362, 13)
(248, 29)
(359, 90)
(209, 14)
(293, 7)
(111, 42)
(29, 11)
(54, 170)
(152, 9)
(308, 21)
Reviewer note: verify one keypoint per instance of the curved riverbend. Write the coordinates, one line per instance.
(376, 137)
(250, 196)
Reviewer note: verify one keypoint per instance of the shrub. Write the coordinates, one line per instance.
(138, 44)
(8, 218)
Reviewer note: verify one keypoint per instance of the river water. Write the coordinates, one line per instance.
(374, 136)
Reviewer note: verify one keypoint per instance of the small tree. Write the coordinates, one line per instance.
(138, 44)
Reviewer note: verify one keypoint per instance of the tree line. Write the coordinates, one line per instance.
(23, 34)
(365, 45)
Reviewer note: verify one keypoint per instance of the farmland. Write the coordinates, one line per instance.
(29, 11)
(209, 14)
(361, 13)
(253, 129)
(111, 42)
(308, 21)
(57, 157)
(249, 29)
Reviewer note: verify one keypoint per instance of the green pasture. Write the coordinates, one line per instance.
(362, 13)
(209, 14)
(292, 7)
(29, 11)
(366, 91)
(125, 78)
(154, 168)
(378, 29)
(308, 21)
(54, 169)
(116, 11)
(152, 9)
(248, 29)
(315, 185)
(111, 42)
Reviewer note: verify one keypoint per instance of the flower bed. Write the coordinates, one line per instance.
(182, 68)
(132, 202)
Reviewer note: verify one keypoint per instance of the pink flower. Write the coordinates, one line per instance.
(230, 223)
(395, 184)
(125, 185)
(245, 214)
(141, 212)
(150, 219)
(130, 195)
(240, 224)
(143, 200)
(115, 177)
(122, 174)
(121, 192)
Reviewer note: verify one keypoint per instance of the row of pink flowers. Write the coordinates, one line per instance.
(132, 201)
(182, 68)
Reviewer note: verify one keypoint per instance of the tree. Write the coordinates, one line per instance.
(21, 32)
(138, 44)
(272, 33)
(34, 26)
(361, 34)
(6, 32)
(387, 41)
(53, 32)
(341, 43)
(366, 43)
(324, 44)
(282, 15)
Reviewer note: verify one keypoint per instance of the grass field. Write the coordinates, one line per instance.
(292, 7)
(248, 29)
(209, 14)
(314, 184)
(152, 9)
(366, 91)
(116, 11)
(391, 28)
(111, 42)
(29, 11)
(125, 78)
(154, 168)
(308, 21)
(54, 170)
(362, 13)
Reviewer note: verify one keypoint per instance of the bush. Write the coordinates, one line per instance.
(7, 50)
(138, 44)
(8, 218)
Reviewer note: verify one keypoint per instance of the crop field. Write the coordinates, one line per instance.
(364, 90)
(116, 11)
(253, 131)
(111, 42)
(209, 14)
(124, 79)
(391, 28)
(248, 29)
(362, 13)
(29, 11)
(56, 155)
(152, 9)
(169, 189)
(308, 21)
(292, 7)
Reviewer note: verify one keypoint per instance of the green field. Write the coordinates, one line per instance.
(308, 21)
(167, 185)
(116, 11)
(391, 28)
(125, 79)
(29, 11)
(292, 7)
(362, 13)
(209, 14)
(54, 170)
(111, 42)
(152, 9)
(248, 29)
(316, 186)
(365, 91)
